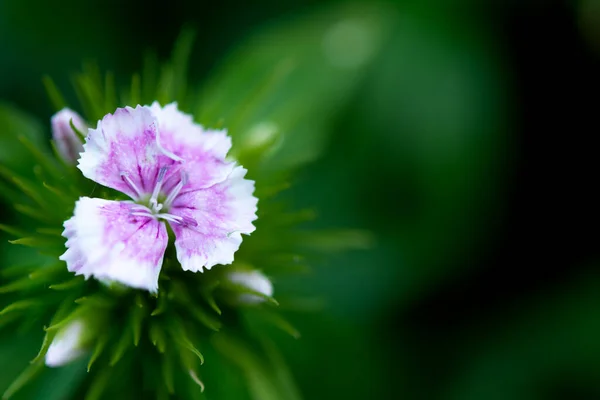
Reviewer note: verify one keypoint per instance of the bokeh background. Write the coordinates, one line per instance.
(460, 133)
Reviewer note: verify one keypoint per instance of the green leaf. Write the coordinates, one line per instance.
(167, 372)
(120, 348)
(136, 319)
(274, 319)
(210, 300)
(180, 336)
(98, 349)
(260, 383)
(99, 384)
(14, 123)
(335, 240)
(71, 283)
(13, 231)
(20, 305)
(161, 305)
(56, 98)
(20, 284)
(26, 376)
(157, 336)
(292, 82)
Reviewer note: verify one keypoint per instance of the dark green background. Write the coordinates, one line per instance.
(466, 147)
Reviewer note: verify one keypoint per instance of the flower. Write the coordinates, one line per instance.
(173, 170)
(68, 345)
(253, 280)
(68, 144)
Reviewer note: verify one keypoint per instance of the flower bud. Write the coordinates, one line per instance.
(67, 345)
(253, 280)
(68, 144)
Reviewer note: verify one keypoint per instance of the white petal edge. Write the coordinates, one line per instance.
(193, 253)
(112, 248)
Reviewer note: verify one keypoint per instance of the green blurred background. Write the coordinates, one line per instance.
(459, 132)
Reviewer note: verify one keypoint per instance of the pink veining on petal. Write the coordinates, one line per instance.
(203, 151)
(111, 240)
(222, 213)
(122, 152)
(176, 172)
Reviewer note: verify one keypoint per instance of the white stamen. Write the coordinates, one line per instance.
(165, 151)
(125, 177)
(184, 221)
(176, 190)
(141, 214)
(171, 217)
(159, 181)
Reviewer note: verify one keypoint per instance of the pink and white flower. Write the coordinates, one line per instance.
(68, 144)
(174, 171)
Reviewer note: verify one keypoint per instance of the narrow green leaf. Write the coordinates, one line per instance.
(49, 231)
(30, 190)
(25, 377)
(210, 300)
(157, 336)
(204, 318)
(20, 305)
(179, 64)
(98, 349)
(62, 322)
(90, 95)
(280, 369)
(110, 92)
(179, 335)
(32, 242)
(240, 289)
(71, 283)
(20, 284)
(196, 379)
(136, 319)
(7, 319)
(162, 305)
(56, 98)
(13, 231)
(335, 240)
(135, 93)
(61, 312)
(47, 271)
(120, 348)
(48, 338)
(96, 300)
(16, 270)
(99, 384)
(167, 372)
(149, 78)
(279, 322)
(36, 213)
(61, 194)
(43, 159)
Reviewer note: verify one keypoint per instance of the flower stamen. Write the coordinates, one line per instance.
(154, 205)
(175, 191)
(125, 177)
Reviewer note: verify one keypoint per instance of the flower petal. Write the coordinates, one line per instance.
(253, 280)
(68, 144)
(67, 345)
(107, 241)
(222, 213)
(123, 152)
(202, 151)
